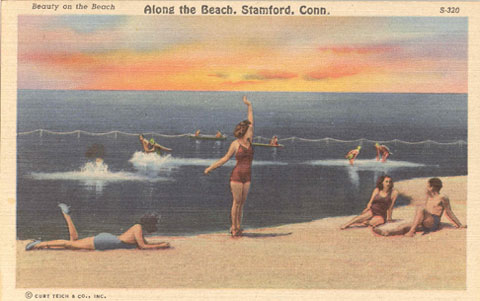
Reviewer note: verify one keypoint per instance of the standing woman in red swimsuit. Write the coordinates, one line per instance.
(240, 179)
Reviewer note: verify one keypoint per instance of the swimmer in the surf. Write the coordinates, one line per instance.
(274, 141)
(382, 152)
(197, 133)
(130, 239)
(218, 134)
(96, 151)
(241, 175)
(150, 146)
(352, 155)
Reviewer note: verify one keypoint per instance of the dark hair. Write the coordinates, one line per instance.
(95, 151)
(380, 181)
(436, 184)
(241, 129)
(149, 222)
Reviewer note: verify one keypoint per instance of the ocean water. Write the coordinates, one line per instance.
(306, 180)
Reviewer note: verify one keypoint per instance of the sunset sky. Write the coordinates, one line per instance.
(334, 54)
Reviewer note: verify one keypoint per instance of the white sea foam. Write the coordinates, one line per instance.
(365, 164)
(94, 173)
(153, 162)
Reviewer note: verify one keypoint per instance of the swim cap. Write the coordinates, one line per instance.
(152, 141)
(359, 147)
(377, 144)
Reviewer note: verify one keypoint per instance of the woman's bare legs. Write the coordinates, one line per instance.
(365, 216)
(422, 217)
(72, 231)
(245, 190)
(74, 243)
(376, 221)
(239, 194)
(80, 244)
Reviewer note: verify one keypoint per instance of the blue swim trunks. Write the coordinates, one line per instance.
(107, 241)
(436, 223)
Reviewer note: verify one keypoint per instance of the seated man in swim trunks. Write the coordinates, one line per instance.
(428, 216)
(130, 239)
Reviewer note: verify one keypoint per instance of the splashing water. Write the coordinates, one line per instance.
(94, 174)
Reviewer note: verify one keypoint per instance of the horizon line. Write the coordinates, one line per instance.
(203, 91)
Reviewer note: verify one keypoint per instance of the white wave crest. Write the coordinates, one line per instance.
(94, 173)
(153, 162)
(366, 164)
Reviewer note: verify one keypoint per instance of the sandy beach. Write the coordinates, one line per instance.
(313, 255)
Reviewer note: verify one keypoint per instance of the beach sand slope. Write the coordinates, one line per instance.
(297, 256)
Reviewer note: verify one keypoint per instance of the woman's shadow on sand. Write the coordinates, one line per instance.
(264, 235)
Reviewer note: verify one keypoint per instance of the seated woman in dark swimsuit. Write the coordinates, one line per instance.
(241, 174)
(379, 208)
(130, 239)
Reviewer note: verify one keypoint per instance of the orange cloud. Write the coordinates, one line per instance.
(239, 83)
(335, 71)
(64, 60)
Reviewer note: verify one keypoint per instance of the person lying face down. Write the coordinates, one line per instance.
(130, 239)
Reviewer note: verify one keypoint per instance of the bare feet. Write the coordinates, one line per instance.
(410, 234)
(236, 232)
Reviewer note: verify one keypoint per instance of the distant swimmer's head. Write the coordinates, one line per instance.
(241, 129)
(152, 141)
(149, 222)
(385, 180)
(435, 184)
(95, 151)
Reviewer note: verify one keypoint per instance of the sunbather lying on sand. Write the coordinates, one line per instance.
(130, 239)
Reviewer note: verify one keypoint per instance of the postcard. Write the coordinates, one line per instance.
(157, 150)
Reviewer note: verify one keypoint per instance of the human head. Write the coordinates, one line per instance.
(149, 222)
(141, 137)
(359, 147)
(377, 144)
(152, 141)
(241, 129)
(95, 151)
(436, 184)
(381, 179)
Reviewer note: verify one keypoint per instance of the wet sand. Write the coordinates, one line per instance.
(313, 255)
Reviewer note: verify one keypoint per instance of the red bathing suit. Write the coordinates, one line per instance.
(242, 172)
(381, 204)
